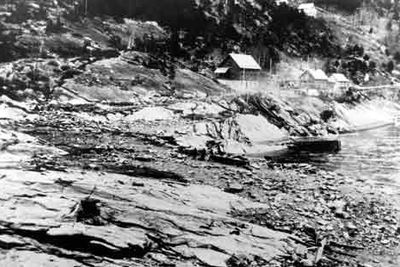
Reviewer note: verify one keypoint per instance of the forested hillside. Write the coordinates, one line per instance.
(201, 32)
(258, 27)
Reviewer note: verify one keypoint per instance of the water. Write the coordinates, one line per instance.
(371, 155)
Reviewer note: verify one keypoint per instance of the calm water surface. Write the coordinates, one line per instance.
(372, 155)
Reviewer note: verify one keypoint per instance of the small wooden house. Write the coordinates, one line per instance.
(309, 9)
(238, 67)
(314, 79)
(281, 2)
(339, 82)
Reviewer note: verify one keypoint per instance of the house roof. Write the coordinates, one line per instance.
(245, 61)
(317, 74)
(305, 6)
(221, 70)
(338, 77)
(282, 1)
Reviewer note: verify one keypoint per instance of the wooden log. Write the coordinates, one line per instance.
(316, 145)
(320, 251)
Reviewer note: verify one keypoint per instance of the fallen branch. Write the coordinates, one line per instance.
(320, 251)
(298, 240)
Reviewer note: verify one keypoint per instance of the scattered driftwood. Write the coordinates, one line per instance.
(64, 183)
(236, 161)
(298, 240)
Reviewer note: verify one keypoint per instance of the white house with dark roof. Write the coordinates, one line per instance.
(309, 9)
(281, 2)
(339, 82)
(238, 67)
(314, 79)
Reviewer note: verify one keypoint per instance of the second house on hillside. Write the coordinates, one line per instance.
(308, 9)
(281, 2)
(339, 82)
(238, 67)
(314, 79)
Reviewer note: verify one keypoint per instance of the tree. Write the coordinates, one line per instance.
(389, 25)
(397, 56)
(372, 66)
(345, 5)
(390, 66)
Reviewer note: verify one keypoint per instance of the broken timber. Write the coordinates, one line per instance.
(315, 144)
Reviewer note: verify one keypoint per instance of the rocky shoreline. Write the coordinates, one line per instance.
(80, 174)
(209, 209)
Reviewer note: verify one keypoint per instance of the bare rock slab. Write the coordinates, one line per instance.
(186, 221)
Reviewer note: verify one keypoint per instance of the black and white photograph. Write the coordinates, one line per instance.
(199, 133)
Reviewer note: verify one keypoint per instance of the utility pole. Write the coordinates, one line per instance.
(86, 7)
(270, 66)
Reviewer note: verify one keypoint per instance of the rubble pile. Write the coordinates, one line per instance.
(311, 206)
(37, 79)
(296, 121)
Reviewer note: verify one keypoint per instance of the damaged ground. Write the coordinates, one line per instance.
(117, 185)
(102, 168)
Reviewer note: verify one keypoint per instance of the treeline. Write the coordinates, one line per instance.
(197, 28)
(351, 6)
(345, 5)
(177, 14)
(354, 63)
(228, 24)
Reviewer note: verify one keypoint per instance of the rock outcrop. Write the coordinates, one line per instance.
(125, 221)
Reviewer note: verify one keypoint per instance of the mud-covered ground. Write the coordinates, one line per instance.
(126, 194)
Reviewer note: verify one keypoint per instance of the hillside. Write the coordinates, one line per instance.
(259, 27)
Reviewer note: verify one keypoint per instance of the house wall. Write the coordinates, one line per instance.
(308, 82)
(280, 2)
(236, 73)
(250, 75)
(233, 72)
(311, 12)
(341, 86)
(336, 88)
(222, 75)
